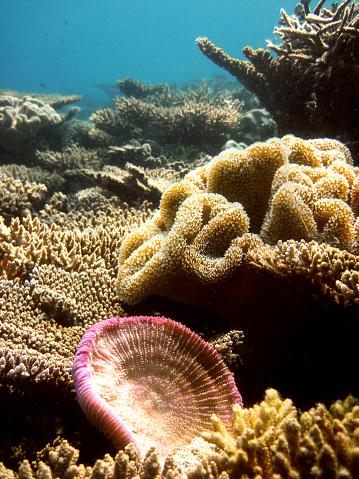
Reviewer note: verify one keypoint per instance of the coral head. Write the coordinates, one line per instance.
(151, 381)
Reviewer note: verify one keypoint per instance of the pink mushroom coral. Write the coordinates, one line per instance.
(151, 381)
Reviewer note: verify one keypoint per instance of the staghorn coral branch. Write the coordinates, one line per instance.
(217, 55)
(317, 9)
(317, 101)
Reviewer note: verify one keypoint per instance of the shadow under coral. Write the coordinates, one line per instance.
(34, 417)
(305, 349)
(302, 344)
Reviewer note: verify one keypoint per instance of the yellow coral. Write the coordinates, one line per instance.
(283, 189)
(290, 214)
(272, 440)
(246, 176)
(201, 241)
(333, 271)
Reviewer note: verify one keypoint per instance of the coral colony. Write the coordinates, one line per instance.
(152, 382)
(226, 206)
(311, 86)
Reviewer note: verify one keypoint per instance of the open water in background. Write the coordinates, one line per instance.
(67, 46)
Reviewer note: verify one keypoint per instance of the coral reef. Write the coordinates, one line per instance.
(56, 101)
(229, 347)
(133, 153)
(265, 236)
(151, 381)
(256, 125)
(17, 198)
(272, 440)
(132, 184)
(52, 180)
(43, 319)
(130, 87)
(311, 87)
(81, 168)
(200, 117)
(224, 238)
(70, 158)
(56, 281)
(23, 119)
(282, 189)
(192, 123)
(331, 271)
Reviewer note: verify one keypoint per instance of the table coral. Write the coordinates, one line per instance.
(165, 115)
(131, 184)
(190, 123)
(310, 87)
(137, 89)
(70, 158)
(42, 321)
(55, 282)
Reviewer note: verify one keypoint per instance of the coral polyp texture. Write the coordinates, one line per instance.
(241, 202)
(273, 441)
(310, 87)
(151, 381)
(55, 282)
(21, 119)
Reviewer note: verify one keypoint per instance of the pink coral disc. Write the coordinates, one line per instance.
(151, 381)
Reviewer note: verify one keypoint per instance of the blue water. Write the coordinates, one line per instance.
(68, 46)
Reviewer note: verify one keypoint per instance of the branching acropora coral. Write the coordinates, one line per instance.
(310, 87)
(272, 440)
(191, 118)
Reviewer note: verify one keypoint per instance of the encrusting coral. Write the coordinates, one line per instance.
(310, 87)
(271, 440)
